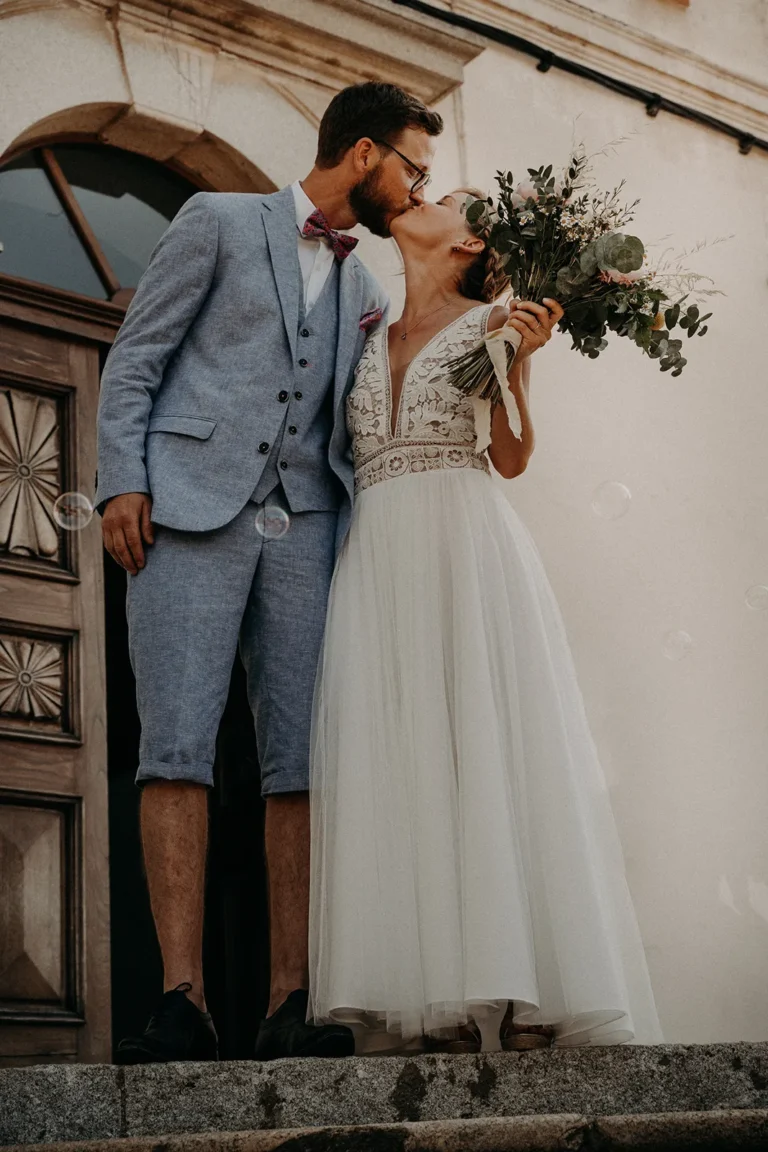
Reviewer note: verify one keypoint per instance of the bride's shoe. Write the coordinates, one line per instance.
(466, 1040)
(489, 1027)
(519, 1037)
(480, 1034)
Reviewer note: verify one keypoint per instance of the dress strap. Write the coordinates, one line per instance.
(485, 316)
(478, 317)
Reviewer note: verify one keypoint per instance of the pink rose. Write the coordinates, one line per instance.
(626, 279)
(522, 193)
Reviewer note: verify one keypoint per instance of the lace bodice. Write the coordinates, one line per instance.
(435, 424)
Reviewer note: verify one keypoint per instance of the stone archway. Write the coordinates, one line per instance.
(207, 161)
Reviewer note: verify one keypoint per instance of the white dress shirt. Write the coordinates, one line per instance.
(315, 256)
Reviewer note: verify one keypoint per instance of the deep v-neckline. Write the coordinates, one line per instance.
(394, 411)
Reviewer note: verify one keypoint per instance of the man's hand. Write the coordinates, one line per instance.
(126, 527)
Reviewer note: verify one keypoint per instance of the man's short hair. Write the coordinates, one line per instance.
(378, 111)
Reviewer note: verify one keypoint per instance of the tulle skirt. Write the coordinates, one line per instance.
(464, 851)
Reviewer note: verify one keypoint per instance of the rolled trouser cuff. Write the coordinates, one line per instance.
(193, 773)
(276, 782)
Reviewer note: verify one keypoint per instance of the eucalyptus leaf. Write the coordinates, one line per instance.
(616, 251)
(475, 212)
(588, 260)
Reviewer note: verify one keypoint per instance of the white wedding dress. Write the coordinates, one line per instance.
(464, 852)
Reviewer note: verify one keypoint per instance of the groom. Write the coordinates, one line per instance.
(224, 396)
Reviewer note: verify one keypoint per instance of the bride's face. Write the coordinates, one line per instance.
(436, 227)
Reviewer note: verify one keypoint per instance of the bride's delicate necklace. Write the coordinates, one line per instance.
(413, 327)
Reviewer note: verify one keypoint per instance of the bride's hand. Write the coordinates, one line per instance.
(534, 322)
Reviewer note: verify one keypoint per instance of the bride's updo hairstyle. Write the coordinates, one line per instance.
(485, 279)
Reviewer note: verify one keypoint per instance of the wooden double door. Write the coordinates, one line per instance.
(72, 976)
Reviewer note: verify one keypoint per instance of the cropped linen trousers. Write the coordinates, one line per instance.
(200, 597)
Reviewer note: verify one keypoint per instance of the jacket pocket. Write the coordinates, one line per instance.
(196, 426)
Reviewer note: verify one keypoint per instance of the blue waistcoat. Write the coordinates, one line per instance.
(298, 456)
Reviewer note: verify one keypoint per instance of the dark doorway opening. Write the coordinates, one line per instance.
(236, 948)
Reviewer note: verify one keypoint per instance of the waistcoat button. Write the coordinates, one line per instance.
(283, 465)
(264, 448)
(305, 331)
(298, 395)
(282, 396)
(293, 429)
(303, 363)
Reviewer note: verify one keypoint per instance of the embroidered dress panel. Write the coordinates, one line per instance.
(434, 425)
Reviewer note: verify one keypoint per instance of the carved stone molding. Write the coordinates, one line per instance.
(329, 42)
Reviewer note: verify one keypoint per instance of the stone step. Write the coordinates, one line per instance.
(734, 1131)
(46, 1104)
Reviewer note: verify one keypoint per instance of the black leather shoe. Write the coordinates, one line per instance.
(177, 1030)
(286, 1033)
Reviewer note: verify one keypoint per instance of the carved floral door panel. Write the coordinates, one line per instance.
(54, 917)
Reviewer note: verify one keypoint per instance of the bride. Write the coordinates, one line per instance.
(467, 878)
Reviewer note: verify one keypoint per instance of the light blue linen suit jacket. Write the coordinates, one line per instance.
(188, 389)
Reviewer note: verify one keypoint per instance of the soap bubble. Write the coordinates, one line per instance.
(677, 645)
(73, 511)
(611, 500)
(757, 597)
(272, 522)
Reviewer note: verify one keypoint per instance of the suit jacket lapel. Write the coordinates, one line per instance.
(280, 224)
(350, 304)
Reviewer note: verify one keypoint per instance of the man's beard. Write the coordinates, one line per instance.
(370, 206)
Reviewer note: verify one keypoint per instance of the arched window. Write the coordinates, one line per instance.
(85, 217)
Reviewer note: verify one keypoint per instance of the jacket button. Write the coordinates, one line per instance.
(305, 331)
(264, 448)
(298, 395)
(293, 429)
(283, 465)
(282, 396)
(303, 363)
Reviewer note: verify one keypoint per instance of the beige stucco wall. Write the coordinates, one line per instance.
(683, 742)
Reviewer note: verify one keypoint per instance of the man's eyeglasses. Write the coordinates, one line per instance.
(423, 177)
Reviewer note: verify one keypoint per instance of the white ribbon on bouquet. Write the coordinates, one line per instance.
(496, 346)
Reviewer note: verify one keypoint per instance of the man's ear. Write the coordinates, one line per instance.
(365, 154)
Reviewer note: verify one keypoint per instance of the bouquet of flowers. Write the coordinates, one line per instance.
(563, 238)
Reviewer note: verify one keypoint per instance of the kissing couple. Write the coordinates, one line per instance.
(443, 864)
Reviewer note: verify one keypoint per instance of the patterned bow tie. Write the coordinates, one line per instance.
(317, 226)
